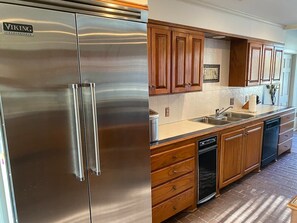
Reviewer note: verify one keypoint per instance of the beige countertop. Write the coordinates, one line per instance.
(171, 130)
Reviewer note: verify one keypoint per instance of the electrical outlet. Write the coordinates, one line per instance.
(231, 101)
(167, 112)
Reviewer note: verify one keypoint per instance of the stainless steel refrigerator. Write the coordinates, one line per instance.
(74, 112)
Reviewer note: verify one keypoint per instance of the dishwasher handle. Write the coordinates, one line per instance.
(208, 149)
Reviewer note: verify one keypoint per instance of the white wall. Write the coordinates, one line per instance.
(214, 95)
(182, 12)
(291, 41)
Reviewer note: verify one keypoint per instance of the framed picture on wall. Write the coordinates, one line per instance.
(211, 73)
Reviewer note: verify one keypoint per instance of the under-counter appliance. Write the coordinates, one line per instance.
(74, 112)
(207, 169)
(270, 141)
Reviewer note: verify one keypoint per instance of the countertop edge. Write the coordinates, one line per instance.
(217, 128)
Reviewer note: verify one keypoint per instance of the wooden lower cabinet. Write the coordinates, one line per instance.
(231, 157)
(172, 206)
(286, 132)
(240, 153)
(173, 180)
(252, 148)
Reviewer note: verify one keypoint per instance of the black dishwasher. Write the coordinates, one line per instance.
(270, 141)
(207, 158)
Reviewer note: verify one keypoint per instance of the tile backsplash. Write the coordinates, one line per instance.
(214, 95)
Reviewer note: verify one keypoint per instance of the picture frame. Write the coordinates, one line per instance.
(211, 73)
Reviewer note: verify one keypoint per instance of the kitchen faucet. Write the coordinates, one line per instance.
(221, 111)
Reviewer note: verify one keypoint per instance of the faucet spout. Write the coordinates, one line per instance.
(221, 111)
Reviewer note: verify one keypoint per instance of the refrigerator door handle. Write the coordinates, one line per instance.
(81, 174)
(97, 169)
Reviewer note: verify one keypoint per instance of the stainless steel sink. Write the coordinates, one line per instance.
(223, 119)
(238, 116)
(210, 120)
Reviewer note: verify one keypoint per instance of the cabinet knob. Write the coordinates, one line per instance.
(174, 171)
(174, 208)
(174, 157)
(189, 84)
(173, 187)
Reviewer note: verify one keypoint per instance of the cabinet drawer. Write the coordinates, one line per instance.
(172, 172)
(287, 117)
(285, 127)
(173, 206)
(285, 146)
(167, 158)
(285, 136)
(172, 188)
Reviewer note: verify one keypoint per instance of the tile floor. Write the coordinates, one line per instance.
(257, 198)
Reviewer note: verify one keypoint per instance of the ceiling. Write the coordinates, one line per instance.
(283, 12)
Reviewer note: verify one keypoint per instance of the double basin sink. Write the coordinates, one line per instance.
(223, 119)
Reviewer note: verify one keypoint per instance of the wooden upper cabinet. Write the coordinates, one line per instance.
(254, 67)
(180, 61)
(253, 147)
(195, 75)
(267, 64)
(277, 68)
(254, 63)
(175, 58)
(159, 54)
(187, 61)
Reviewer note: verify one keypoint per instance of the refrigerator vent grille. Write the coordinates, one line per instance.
(87, 7)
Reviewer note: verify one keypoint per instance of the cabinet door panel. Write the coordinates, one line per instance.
(278, 58)
(254, 69)
(180, 63)
(267, 64)
(231, 157)
(253, 147)
(160, 61)
(194, 77)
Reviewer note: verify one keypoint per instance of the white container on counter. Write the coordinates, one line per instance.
(253, 103)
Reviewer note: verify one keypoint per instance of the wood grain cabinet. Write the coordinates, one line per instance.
(254, 66)
(277, 63)
(252, 148)
(173, 180)
(240, 153)
(175, 59)
(187, 52)
(272, 64)
(254, 63)
(286, 132)
(267, 65)
(159, 59)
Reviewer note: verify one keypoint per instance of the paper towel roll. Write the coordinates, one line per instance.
(253, 103)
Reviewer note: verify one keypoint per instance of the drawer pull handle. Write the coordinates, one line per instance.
(174, 187)
(174, 208)
(174, 171)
